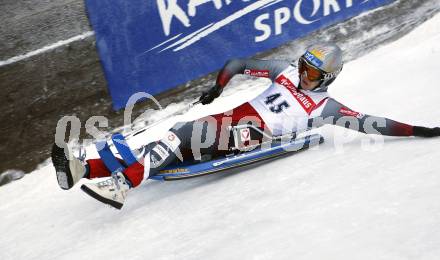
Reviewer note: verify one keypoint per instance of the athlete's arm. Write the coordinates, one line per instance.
(258, 68)
(336, 113)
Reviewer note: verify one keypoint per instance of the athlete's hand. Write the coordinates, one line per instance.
(209, 96)
(426, 131)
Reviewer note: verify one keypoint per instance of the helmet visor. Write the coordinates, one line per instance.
(312, 72)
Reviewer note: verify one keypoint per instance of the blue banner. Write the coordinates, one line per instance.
(155, 45)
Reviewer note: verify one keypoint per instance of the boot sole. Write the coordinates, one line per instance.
(96, 196)
(61, 164)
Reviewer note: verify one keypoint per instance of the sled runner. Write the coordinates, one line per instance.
(240, 155)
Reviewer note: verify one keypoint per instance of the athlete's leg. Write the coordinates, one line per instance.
(186, 141)
(96, 169)
(208, 136)
(171, 148)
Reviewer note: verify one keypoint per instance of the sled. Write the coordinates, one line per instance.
(239, 156)
(276, 149)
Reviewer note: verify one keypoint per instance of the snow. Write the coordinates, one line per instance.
(347, 199)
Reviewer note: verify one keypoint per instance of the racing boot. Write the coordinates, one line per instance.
(69, 169)
(109, 190)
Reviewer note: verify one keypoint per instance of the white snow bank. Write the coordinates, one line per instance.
(328, 203)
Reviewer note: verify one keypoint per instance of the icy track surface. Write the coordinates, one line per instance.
(341, 201)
